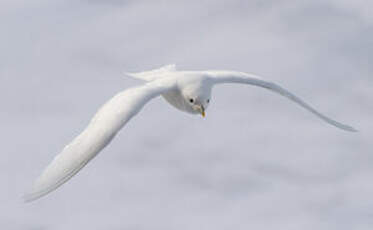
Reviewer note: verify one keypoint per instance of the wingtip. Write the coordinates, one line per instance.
(34, 195)
(29, 197)
(348, 128)
(352, 129)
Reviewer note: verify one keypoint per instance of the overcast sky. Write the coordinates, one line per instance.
(257, 161)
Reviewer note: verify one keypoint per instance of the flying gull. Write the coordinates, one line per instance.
(188, 91)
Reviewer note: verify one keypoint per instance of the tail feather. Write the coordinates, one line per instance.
(152, 74)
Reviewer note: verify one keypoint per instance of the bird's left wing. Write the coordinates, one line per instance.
(110, 118)
(218, 77)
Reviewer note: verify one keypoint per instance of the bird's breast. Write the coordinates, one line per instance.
(176, 99)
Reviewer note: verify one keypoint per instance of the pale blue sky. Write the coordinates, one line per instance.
(256, 161)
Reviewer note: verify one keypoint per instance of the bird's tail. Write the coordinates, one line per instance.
(152, 74)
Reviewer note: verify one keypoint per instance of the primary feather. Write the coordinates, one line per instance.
(244, 78)
(100, 131)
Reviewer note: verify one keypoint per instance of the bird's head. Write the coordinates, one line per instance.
(197, 100)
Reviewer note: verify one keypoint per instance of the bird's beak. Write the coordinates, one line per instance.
(202, 111)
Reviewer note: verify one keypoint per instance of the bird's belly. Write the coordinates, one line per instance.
(176, 99)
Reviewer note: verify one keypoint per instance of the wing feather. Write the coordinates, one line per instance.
(110, 118)
(219, 77)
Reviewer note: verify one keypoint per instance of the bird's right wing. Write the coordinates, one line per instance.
(104, 125)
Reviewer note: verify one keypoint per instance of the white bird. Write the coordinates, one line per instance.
(188, 91)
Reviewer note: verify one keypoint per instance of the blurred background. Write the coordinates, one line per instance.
(256, 161)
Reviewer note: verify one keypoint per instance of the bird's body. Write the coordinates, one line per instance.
(185, 82)
(188, 91)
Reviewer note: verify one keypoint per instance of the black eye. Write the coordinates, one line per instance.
(208, 100)
(191, 100)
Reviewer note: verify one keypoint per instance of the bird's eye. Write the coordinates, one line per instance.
(208, 100)
(191, 100)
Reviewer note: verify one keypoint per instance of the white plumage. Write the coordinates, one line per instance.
(189, 91)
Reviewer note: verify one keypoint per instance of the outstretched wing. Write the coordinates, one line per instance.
(110, 118)
(244, 78)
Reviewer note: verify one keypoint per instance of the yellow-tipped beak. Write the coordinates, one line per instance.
(202, 110)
